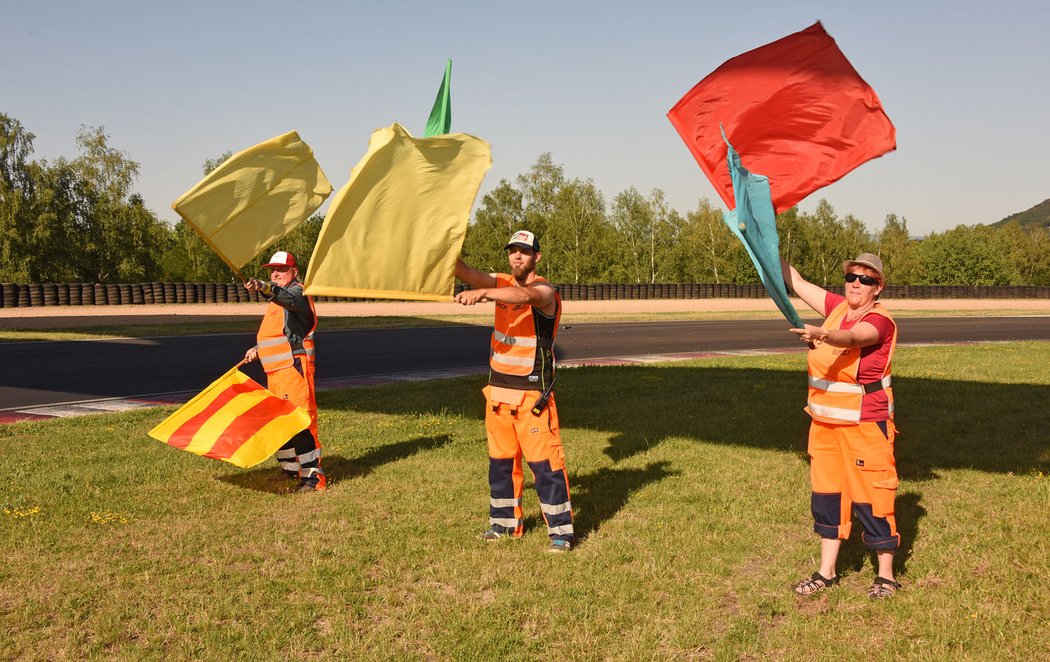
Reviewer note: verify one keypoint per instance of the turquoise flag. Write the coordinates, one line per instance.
(440, 121)
(755, 224)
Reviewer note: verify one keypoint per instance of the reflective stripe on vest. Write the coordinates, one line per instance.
(846, 387)
(835, 393)
(519, 341)
(275, 353)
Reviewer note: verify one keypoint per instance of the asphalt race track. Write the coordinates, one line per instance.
(44, 373)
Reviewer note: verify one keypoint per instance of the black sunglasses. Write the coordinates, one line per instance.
(864, 280)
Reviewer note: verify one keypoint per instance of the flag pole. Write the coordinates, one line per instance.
(233, 370)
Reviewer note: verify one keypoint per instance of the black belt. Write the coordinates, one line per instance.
(872, 387)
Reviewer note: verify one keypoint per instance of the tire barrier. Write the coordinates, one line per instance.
(24, 295)
(49, 294)
(36, 295)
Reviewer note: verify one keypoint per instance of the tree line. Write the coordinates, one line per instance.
(640, 239)
(79, 220)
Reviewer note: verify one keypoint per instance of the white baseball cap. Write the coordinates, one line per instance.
(281, 259)
(525, 239)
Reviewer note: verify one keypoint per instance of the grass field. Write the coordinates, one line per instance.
(690, 489)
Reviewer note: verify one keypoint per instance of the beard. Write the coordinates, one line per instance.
(521, 274)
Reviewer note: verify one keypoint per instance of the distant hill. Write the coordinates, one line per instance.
(1037, 215)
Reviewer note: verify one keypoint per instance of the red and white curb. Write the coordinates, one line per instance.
(645, 359)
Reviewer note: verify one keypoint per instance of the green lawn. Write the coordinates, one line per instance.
(690, 488)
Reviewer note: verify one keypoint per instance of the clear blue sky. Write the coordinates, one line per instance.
(175, 83)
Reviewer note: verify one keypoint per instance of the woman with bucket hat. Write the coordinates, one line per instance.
(853, 473)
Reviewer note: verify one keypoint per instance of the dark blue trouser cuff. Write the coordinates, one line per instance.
(890, 542)
(826, 530)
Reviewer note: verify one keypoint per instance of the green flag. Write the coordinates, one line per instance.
(440, 121)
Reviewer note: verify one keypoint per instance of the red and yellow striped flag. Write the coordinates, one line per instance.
(235, 420)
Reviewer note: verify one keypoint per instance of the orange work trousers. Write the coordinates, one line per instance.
(302, 454)
(515, 432)
(852, 470)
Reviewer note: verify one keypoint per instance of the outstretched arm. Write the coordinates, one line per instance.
(862, 334)
(471, 276)
(813, 295)
(538, 295)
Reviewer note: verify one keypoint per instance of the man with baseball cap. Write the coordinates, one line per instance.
(286, 349)
(521, 418)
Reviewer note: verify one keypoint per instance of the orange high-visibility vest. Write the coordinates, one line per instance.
(275, 352)
(835, 393)
(521, 354)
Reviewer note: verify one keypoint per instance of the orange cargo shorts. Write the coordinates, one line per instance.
(853, 473)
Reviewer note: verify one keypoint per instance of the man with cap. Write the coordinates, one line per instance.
(521, 418)
(852, 469)
(286, 349)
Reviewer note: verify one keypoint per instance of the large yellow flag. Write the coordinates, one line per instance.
(255, 197)
(235, 420)
(395, 230)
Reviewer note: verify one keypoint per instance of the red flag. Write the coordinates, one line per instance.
(795, 110)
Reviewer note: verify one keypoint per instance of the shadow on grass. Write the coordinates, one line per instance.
(854, 556)
(603, 493)
(267, 478)
(909, 513)
(336, 467)
(943, 424)
(606, 491)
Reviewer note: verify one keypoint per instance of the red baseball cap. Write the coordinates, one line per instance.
(281, 259)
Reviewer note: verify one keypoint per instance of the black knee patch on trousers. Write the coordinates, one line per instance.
(826, 509)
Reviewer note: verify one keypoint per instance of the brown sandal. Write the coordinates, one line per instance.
(883, 588)
(817, 582)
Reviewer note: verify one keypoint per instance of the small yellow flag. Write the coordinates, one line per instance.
(255, 197)
(395, 230)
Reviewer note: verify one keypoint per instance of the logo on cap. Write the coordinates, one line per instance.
(525, 239)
